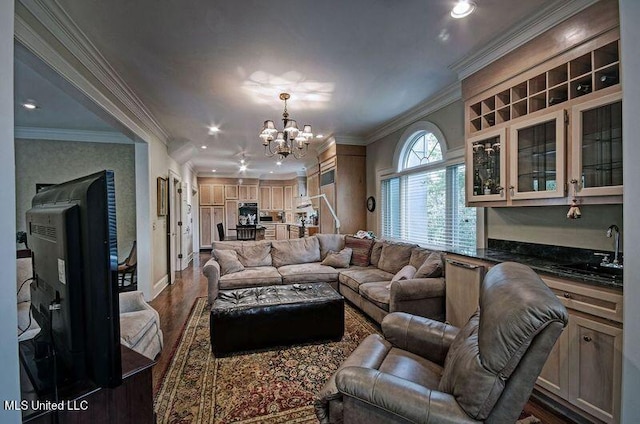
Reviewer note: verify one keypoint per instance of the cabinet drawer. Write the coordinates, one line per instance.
(601, 302)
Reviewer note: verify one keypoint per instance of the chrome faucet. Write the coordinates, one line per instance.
(614, 231)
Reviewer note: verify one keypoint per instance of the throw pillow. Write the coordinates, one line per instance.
(339, 259)
(361, 250)
(376, 250)
(329, 242)
(228, 261)
(406, 273)
(431, 268)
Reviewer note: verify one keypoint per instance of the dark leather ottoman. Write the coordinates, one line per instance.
(260, 317)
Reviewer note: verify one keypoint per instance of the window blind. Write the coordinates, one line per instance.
(428, 208)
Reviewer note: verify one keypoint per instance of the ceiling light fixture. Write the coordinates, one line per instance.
(279, 163)
(319, 136)
(213, 129)
(204, 146)
(290, 141)
(463, 8)
(213, 170)
(30, 105)
(243, 168)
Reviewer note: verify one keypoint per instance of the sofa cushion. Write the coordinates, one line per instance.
(339, 259)
(432, 267)
(251, 277)
(376, 293)
(134, 325)
(361, 250)
(418, 256)
(394, 256)
(308, 273)
(354, 277)
(250, 253)
(412, 367)
(295, 251)
(376, 250)
(330, 242)
(228, 260)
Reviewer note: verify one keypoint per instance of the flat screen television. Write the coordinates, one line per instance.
(71, 228)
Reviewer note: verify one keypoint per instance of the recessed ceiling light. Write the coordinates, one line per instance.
(204, 146)
(242, 161)
(463, 8)
(30, 105)
(213, 129)
(279, 163)
(243, 168)
(213, 170)
(270, 172)
(319, 136)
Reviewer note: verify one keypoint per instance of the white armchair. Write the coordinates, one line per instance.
(139, 325)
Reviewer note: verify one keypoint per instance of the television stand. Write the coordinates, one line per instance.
(131, 402)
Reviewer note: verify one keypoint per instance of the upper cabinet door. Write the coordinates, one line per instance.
(231, 192)
(218, 194)
(596, 155)
(486, 160)
(537, 157)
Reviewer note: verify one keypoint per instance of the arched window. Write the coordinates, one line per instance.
(424, 148)
(424, 200)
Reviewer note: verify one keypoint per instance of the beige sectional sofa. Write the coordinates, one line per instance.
(367, 282)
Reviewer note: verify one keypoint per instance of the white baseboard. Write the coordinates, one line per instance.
(160, 285)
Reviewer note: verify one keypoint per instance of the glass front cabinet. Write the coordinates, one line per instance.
(596, 155)
(537, 157)
(486, 178)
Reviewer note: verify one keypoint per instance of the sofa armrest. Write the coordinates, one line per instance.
(132, 301)
(211, 270)
(399, 397)
(424, 337)
(417, 288)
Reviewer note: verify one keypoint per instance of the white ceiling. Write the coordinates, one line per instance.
(350, 66)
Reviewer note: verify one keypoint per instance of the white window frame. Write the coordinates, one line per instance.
(450, 157)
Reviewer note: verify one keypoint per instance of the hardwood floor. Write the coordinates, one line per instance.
(174, 306)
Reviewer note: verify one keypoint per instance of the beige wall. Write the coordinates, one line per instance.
(380, 153)
(549, 225)
(41, 161)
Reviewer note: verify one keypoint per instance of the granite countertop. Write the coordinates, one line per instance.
(550, 263)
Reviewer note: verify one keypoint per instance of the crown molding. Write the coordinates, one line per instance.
(350, 139)
(443, 98)
(536, 24)
(64, 29)
(328, 142)
(58, 134)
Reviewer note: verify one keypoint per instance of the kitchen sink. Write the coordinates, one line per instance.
(593, 269)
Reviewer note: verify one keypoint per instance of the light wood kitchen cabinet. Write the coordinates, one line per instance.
(277, 198)
(595, 367)
(217, 194)
(327, 222)
(596, 163)
(206, 197)
(487, 159)
(269, 231)
(585, 366)
(206, 225)
(210, 217)
(462, 297)
(288, 198)
(537, 157)
(231, 215)
(248, 193)
(265, 198)
(313, 189)
(230, 192)
(289, 217)
(281, 232)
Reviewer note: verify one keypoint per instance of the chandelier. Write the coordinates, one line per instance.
(290, 141)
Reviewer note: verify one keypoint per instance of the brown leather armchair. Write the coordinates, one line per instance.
(425, 371)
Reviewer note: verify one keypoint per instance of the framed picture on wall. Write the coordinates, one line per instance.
(163, 198)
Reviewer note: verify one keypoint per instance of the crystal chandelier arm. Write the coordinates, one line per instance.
(267, 150)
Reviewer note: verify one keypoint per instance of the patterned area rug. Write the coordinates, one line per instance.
(275, 386)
